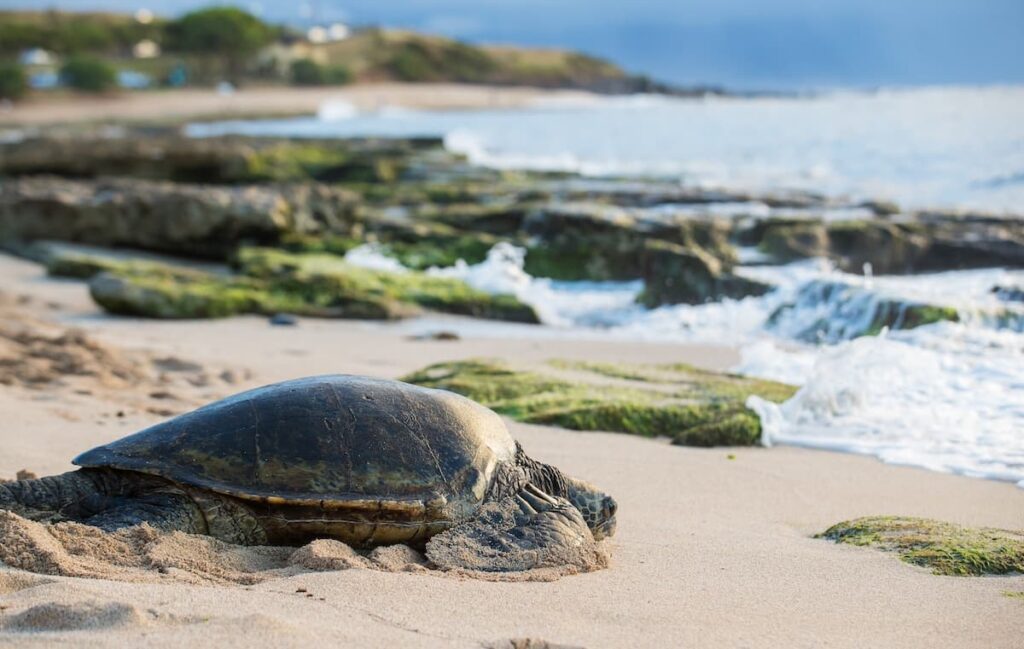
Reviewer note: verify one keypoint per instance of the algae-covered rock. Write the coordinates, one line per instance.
(787, 240)
(692, 407)
(945, 548)
(908, 244)
(189, 220)
(272, 281)
(827, 311)
(677, 275)
(176, 295)
(321, 275)
(228, 159)
(681, 259)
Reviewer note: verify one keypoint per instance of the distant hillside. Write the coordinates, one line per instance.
(396, 55)
(284, 55)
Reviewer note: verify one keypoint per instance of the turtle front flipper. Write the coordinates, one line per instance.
(58, 497)
(529, 530)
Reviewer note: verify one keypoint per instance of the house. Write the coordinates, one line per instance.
(37, 56)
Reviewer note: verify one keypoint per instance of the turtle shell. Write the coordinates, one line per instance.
(328, 441)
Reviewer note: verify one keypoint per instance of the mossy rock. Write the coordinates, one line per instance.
(945, 548)
(897, 315)
(77, 265)
(176, 296)
(787, 240)
(274, 281)
(847, 311)
(674, 274)
(316, 276)
(692, 407)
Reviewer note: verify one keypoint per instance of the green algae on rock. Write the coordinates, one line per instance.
(692, 407)
(322, 276)
(946, 548)
(674, 274)
(274, 281)
(849, 311)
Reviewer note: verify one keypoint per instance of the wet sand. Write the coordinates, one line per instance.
(176, 105)
(710, 551)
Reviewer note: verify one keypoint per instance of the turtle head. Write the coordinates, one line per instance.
(597, 507)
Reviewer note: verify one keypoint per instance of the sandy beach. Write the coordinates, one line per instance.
(206, 103)
(714, 547)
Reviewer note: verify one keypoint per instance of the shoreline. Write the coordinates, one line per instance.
(270, 101)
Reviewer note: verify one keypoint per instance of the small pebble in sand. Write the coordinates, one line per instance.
(437, 335)
(283, 320)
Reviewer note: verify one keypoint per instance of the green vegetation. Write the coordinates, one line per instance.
(692, 407)
(286, 161)
(107, 34)
(13, 82)
(218, 41)
(272, 281)
(306, 72)
(945, 548)
(900, 315)
(433, 59)
(88, 74)
(220, 33)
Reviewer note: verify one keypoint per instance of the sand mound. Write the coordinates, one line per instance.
(11, 582)
(143, 554)
(36, 353)
(72, 617)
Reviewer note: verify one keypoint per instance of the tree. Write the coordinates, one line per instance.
(88, 74)
(13, 83)
(225, 32)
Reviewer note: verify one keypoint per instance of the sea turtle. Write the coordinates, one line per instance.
(367, 461)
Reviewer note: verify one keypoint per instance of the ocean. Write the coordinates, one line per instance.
(947, 397)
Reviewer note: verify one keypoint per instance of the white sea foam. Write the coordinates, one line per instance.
(559, 304)
(371, 256)
(336, 110)
(945, 397)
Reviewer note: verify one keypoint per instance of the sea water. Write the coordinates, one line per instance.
(947, 397)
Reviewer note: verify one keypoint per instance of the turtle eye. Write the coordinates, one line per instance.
(610, 507)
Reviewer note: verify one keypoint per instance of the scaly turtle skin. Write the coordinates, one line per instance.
(366, 461)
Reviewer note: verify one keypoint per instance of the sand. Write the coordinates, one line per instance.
(173, 105)
(711, 550)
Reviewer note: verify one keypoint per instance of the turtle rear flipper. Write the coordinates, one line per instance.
(529, 530)
(165, 510)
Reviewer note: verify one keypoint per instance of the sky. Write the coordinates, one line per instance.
(742, 44)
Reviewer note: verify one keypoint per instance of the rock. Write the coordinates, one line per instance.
(283, 320)
(791, 239)
(692, 407)
(1009, 293)
(677, 275)
(590, 241)
(910, 244)
(881, 207)
(189, 220)
(277, 282)
(827, 311)
(222, 160)
(946, 548)
(437, 335)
